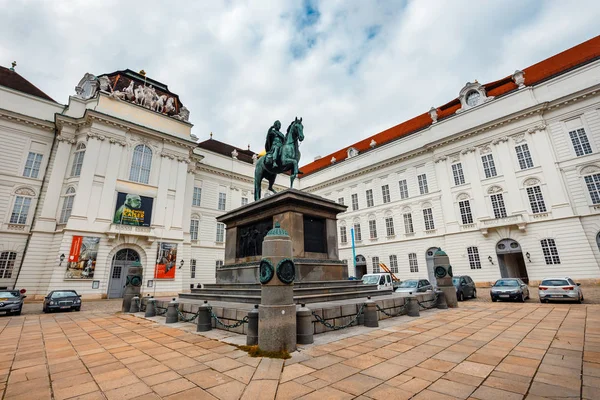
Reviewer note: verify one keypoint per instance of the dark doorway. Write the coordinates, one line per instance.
(429, 259)
(118, 272)
(510, 260)
(361, 266)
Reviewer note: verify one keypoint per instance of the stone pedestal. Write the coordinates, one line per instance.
(443, 274)
(133, 286)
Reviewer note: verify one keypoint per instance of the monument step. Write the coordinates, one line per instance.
(297, 290)
(296, 284)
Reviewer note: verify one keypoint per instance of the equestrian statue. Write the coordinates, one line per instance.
(282, 155)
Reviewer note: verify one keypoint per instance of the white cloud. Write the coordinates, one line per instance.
(350, 69)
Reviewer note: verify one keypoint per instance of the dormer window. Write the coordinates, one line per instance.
(472, 95)
(352, 152)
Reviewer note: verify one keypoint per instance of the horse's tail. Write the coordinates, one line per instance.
(258, 170)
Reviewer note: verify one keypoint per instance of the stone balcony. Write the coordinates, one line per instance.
(117, 229)
(517, 220)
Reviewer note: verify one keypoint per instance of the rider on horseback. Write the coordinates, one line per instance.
(274, 142)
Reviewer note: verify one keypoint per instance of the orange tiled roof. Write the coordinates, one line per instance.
(534, 74)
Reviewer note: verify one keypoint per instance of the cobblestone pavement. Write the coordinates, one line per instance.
(591, 295)
(108, 306)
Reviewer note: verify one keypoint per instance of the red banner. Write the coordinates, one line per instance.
(75, 248)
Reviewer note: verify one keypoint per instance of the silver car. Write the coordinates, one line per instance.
(509, 289)
(560, 289)
(411, 286)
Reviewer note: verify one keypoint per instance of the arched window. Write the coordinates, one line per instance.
(598, 240)
(78, 159)
(21, 206)
(140, 164)
(7, 263)
(67, 206)
(194, 227)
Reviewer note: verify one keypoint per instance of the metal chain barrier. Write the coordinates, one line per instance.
(182, 317)
(228, 326)
(392, 315)
(161, 311)
(433, 301)
(338, 327)
(142, 307)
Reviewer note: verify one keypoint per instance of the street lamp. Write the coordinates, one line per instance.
(61, 258)
(490, 260)
(181, 264)
(528, 256)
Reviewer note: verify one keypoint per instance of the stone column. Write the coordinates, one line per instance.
(86, 179)
(107, 209)
(443, 274)
(166, 161)
(177, 222)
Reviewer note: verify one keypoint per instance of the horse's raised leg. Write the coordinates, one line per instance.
(271, 182)
(292, 177)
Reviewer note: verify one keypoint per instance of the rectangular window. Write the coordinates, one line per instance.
(373, 229)
(194, 226)
(193, 268)
(593, 184)
(385, 193)
(550, 251)
(369, 195)
(20, 210)
(354, 202)
(341, 200)
(389, 226)
(77, 162)
(357, 233)
(457, 172)
(489, 167)
(403, 189)
(244, 201)
(343, 235)
(412, 262)
(220, 232)
(408, 224)
(197, 197)
(394, 263)
(498, 205)
(376, 269)
(423, 189)
(219, 264)
(474, 260)
(32, 165)
(536, 199)
(428, 218)
(580, 142)
(67, 208)
(524, 156)
(7, 264)
(465, 212)
(222, 201)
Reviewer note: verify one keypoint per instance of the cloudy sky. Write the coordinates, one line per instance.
(350, 68)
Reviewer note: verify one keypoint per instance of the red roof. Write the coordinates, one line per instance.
(13, 80)
(549, 68)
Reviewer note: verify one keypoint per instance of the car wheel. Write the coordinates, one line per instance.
(17, 312)
(542, 301)
(461, 296)
(493, 299)
(522, 298)
(579, 300)
(474, 294)
(78, 309)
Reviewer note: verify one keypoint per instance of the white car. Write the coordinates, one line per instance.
(560, 289)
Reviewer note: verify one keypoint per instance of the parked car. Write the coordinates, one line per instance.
(383, 280)
(465, 287)
(411, 286)
(560, 289)
(62, 300)
(509, 289)
(11, 301)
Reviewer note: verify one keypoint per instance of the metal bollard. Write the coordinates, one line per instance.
(304, 325)
(371, 317)
(150, 308)
(135, 305)
(172, 315)
(252, 334)
(412, 307)
(441, 300)
(204, 318)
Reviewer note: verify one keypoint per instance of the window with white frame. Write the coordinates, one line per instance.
(536, 199)
(197, 197)
(369, 196)
(389, 226)
(354, 202)
(403, 189)
(341, 200)
(219, 264)
(220, 232)
(373, 229)
(394, 263)
(141, 164)
(581, 145)
(78, 159)
(244, 201)
(498, 205)
(357, 232)
(457, 173)
(7, 264)
(32, 165)
(222, 201)
(593, 184)
(20, 210)
(474, 260)
(489, 167)
(194, 227)
(465, 212)
(385, 193)
(412, 262)
(408, 223)
(524, 156)
(423, 188)
(67, 205)
(428, 218)
(550, 251)
(343, 234)
(193, 268)
(376, 268)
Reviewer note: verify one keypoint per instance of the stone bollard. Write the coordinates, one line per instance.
(441, 300)
(172, 314)
(370, 311)
(135, 305)
(412, 306)
(304, 325)
(252, 334)
(150, 308)
(204, 318)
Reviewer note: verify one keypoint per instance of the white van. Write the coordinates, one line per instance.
(382, 280)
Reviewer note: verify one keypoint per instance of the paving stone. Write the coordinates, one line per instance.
(488, 393)
(172, 386)
(260, 390)
(269, 368)
(452, 388)
(294, 371)
(357, 384)
(292, 390)
(386, 392)
(545, 390)
(208, 378)
(437, 365)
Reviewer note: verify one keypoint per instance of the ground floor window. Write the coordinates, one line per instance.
(550, 251)
(394, 263)
(412, 262)
(375, 265)
(193, 268)
(474, 261)
(7, 263)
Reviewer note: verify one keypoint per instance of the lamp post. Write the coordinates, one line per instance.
(61, 258)
(181, 264)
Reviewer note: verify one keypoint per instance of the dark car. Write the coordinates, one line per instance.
(465, 287)
(509, 289)
(62, 300)
(11, 302)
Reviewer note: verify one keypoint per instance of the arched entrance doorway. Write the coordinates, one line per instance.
(429, 259)
(510, 260)
(361, 266)
(121, 262)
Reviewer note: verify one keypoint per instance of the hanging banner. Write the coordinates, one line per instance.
(82, 257)
(166, 261)
(133, 209)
